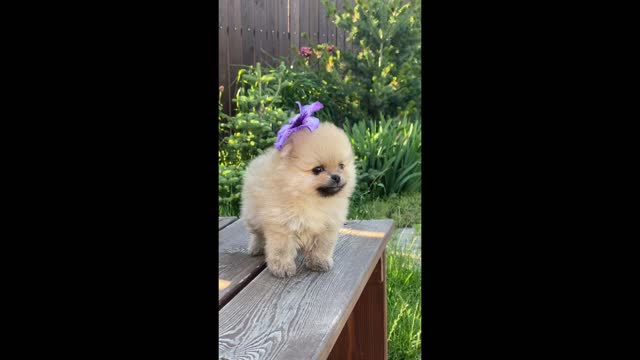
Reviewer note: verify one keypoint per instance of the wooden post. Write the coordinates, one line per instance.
(248, 32)
(364, 335)
(323, 25)
(340, 33)
(314, 15)
(294, 25)
(223, 55)
(235, 49)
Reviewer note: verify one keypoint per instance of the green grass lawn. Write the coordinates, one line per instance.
(405, 210)
(404, 301)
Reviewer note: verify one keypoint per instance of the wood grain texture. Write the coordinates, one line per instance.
(364, 336)
(235, 265)
(283, 29)
(270, 48)
(235, 46)
(223, 221)
(340, 36)
(303, 22)
(332, 35)
(248, 35)
(313, 21)
(261, 29)
(294, 25)
(301, 317)
(323, 25)
(223, 54)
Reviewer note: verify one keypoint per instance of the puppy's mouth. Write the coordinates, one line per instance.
(326, 191)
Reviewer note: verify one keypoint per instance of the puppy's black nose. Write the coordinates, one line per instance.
(336, 178)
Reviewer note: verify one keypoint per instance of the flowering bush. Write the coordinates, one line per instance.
(305, 52)
(381, 76)
(318, 75)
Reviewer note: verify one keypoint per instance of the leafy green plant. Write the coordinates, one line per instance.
(265, 100)
(382, 78)
(318, 73)
(253, 129)
(388, 156)
(386, 68)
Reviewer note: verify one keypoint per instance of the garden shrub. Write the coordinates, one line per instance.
(318, 73)
(259, 114)
(386, 68)
(380, 79)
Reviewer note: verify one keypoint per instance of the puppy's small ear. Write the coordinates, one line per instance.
(286, 150)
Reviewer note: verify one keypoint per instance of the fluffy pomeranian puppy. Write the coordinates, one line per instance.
(298, 198)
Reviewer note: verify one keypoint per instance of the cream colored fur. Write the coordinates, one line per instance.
(281, 204)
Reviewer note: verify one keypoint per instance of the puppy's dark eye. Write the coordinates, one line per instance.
(341, 166)
(317, 170)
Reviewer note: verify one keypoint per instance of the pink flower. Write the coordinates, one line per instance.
(305, 52)
(221, 88)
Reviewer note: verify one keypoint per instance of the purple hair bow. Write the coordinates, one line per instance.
(298, 122)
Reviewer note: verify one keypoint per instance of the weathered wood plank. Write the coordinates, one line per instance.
(235, 47)
(332, 36)
(283, 29)
(303, 22)
(313, 21)
(364, 336)
(261, 29)
(323, 26)
(270, 47)
(236, 268)
(223, 221)
(294, 26)
(248, 29)
(223, 54)
(340, 36)
(301, 317)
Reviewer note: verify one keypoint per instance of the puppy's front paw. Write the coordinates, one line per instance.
(281, 268)
(316, 264)
(255, 249)
(256, 245)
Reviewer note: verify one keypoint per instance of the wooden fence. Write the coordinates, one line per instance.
(252, 31)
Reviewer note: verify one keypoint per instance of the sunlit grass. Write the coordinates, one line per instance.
(405, 210)
(404, 301)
